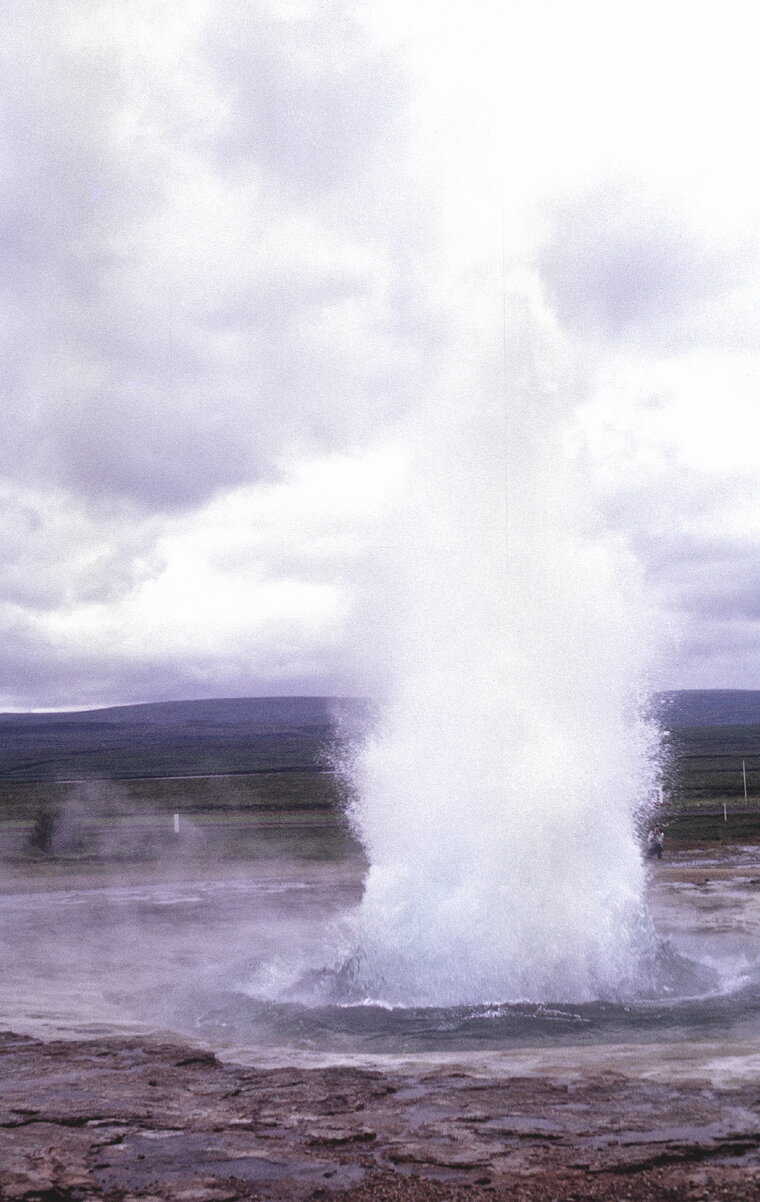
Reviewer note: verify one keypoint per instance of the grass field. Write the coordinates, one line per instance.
(704, 779)
(247, 778)
(706, 821)
(301, 815)
(252, 777)
(706, 761)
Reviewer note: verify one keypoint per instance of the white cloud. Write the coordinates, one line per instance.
(252, 591)
(167, 300)
(243, 246)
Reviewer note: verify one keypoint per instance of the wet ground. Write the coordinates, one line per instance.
(137, 1119)
(162, 970)
(229, 957)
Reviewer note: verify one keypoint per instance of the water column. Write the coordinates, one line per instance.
(496, 797)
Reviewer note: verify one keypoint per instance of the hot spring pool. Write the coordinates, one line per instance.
(244, 960)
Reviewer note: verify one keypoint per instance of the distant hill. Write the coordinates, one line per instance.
(289, 734)
(709, 707)
(303, 711)
(178, 738)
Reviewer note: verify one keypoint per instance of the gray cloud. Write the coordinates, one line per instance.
(198, 274)
(688, 510)
(727, 590)
(625, 264)
(206, 270)
(39, 672)
(717, 654)
(53, 555)
(309, 99)
(216, 260)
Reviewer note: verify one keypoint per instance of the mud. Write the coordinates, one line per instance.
(124, 1119)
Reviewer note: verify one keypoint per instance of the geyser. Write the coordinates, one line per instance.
(496, 798)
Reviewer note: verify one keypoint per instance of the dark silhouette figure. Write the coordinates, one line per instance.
(655, 843)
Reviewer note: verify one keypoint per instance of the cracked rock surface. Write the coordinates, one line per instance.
(128, 1119)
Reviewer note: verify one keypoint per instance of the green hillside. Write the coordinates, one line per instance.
(186, 738)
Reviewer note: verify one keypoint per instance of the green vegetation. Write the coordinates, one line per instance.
(704, 784)
(193, 796)
(246, 778)
(123, 751)
(301, 815)
(253, 777)
(706, 762)
(183, 738)
(705, 821)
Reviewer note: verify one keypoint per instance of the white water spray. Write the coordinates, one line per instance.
(496, 798)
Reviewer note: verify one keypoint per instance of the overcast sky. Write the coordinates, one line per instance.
(238, 241)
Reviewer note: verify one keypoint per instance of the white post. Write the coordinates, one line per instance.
(744, 776)
(725, 813)
(176, 824)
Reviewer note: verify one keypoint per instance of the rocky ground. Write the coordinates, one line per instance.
(126, 1119)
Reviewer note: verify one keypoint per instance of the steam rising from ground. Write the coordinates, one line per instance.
(496, 799)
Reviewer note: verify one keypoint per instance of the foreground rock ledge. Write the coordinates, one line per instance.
(124, 1119)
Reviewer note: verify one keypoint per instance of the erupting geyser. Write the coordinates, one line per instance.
(496, 798)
